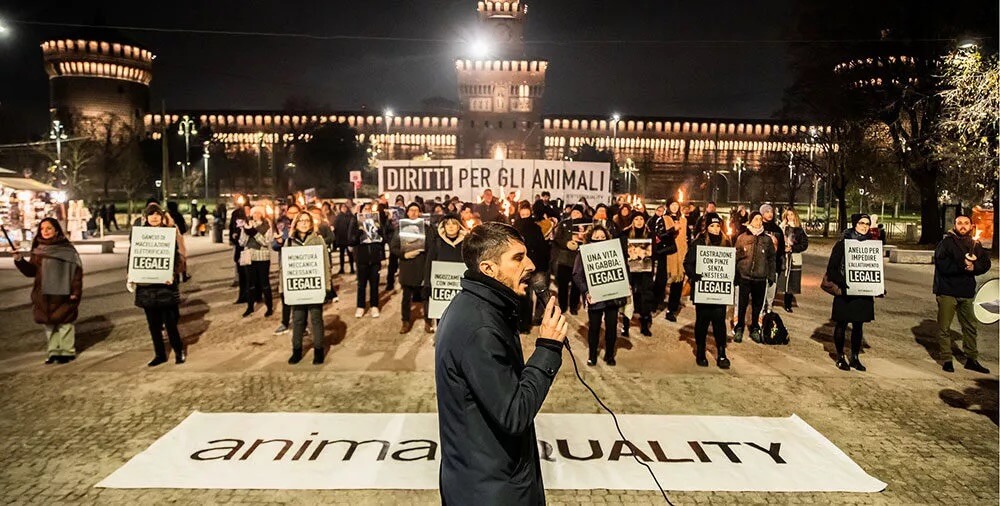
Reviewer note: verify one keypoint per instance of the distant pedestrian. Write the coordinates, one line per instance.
(958, 259)
(113, 217)
(58, 288)
(343, 224)
(161, 301)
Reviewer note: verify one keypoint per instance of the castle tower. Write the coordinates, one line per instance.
(500, 91)
(96, 76)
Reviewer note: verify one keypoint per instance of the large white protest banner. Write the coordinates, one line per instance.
(303, 277)
(446, 282)
(401, 451)
(151, 254)
(604, 266)
(717, 267)
(468, 178)
(863, 267)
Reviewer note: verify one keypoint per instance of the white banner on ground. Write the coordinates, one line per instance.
(717, 267)
(864, 268)
(302, 275)
(468, 178)
(151, 254)
(401, 451)
(604, 266)
(446, 282)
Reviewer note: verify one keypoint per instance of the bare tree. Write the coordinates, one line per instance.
(75, 171)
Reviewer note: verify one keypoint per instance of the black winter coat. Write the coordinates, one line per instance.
(691, 259)
(538, 248)
(847, 308)
(755, 257)
(488, 397)
(950, 276)
(773, 228)
(411, 270)
(343, 224)
(367, 253)
(440, 249)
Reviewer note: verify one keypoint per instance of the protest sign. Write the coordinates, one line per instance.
(303, 277)
(412, 235)
(370, 228)
(640, 255)
(151, 254)
(604, 266)
(717, 267)
(863, 267)
(446, 282)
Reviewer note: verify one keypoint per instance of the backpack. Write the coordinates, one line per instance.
(773, 330)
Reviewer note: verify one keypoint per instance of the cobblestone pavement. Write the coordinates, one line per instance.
(931, 436)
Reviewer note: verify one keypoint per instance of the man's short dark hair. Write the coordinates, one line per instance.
(546, 194)
(488, 242)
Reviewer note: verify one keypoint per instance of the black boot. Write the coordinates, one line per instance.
(318, 355)
(156, 361)
(701, 360)
(296, 356)
(855, 363)
(842, 363)
(788, 302)
(644, 326)
(180, 357)
(721, 360)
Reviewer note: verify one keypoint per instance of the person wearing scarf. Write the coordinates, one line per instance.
(678, 222)
(304, 232)
(58, 287)
(597, 311)
(796, 242)
(640, 282)
(853, 309)
(256, 237)
(708, 314)
(755, 268)
(161, 301)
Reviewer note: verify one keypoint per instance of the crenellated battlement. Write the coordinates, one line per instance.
(514, 9)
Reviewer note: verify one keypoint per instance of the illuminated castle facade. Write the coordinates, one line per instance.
(500, 103)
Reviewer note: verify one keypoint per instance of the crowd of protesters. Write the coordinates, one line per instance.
(360, 236)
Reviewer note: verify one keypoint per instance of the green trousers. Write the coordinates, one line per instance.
(62, 340)
(948, 307)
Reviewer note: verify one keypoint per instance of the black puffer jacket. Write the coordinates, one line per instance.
(538, 249)
(950, 276)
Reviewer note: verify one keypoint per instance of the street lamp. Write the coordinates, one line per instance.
(58, 134)
(186, 128)
(388, 121)
(614, 143)
(206, 156)
(260, 163)
(739, 166)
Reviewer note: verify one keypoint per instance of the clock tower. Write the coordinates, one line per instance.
(500, 91)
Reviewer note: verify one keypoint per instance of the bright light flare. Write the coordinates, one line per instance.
(480, 48)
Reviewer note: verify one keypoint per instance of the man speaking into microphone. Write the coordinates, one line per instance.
(487, 394)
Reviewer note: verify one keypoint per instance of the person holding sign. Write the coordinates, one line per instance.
(304, 232)
(708, 314)
(597, 311)
(853, 309)
(161, 301)
(409, 244)
(637, 240)
(58, 287)
(369, 250)
(958, 259)
(445, 245)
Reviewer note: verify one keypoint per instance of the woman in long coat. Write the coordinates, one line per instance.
(853, 309)
(796, 241)
(55, 296)
(161, 301)
(676, 220)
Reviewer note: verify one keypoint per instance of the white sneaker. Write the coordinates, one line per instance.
(359, 312)
(375, 313)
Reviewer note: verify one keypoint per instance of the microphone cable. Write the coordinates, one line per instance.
(576, 369)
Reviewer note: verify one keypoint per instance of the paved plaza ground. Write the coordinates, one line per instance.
(930, 435)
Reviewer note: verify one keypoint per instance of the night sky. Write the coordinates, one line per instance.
(721, 59)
